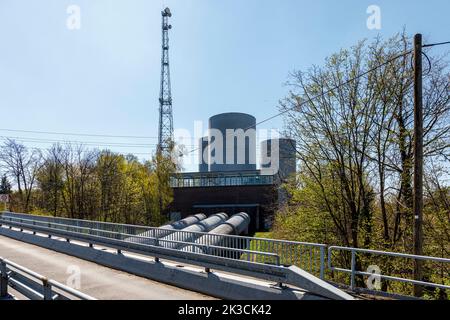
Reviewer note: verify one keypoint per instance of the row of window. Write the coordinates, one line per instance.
(220, 181)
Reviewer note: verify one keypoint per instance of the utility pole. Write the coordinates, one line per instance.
(418, 162)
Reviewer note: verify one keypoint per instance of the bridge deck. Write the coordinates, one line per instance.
(98, 281)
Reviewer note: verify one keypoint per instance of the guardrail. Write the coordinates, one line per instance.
(354, 272)
(307, 256)
(114, 240)
(269, 272)
(33, 285)
(145, 241)
(272, 272)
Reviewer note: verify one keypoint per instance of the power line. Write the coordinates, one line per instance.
(78, 134)
(123, 153)
(86, 134)
(134, 153)
(39, 140)
(326, 92)
(334, 88)
(350, 80)
(87, 143)
(153, 137)
(435, 44)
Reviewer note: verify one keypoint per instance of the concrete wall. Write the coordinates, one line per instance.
(187, 200)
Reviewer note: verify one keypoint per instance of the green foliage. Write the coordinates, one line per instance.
(84, 184)
(5, 186)
(355, 152)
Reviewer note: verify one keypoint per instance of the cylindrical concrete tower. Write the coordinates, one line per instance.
(232, 142)
(202, 155)
(278, 157)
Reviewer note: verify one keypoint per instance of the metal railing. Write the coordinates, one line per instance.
(143, 241)
(219, 179)
(33, 285)
(308, 256)
(353, 271)
(269, 272)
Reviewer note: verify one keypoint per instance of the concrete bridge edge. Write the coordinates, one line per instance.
(212, 283)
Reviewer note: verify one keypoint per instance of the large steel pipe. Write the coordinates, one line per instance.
(188, 234)
(167, 229)
(236, 225)
(186, 222)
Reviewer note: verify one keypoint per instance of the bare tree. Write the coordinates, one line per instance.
(22, 165)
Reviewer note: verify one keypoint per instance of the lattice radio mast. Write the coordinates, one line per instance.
(165, 135)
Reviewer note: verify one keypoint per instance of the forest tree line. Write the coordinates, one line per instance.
(75, 182)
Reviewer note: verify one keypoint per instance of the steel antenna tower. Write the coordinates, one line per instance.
(165, 135)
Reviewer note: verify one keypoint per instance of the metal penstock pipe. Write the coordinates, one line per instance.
(188, 234)
(167, 229)
(186, 222)
(236, 225)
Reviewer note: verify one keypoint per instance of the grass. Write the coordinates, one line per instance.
(263, 235)
(3, 206)
(254, 247)
(305, 257)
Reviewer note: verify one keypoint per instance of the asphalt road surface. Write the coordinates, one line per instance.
(97, 281)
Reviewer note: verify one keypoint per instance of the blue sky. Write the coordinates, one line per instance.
(225, 56)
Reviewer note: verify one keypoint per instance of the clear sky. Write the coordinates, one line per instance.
(225, 55)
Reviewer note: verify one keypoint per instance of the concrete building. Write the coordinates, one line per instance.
(228, 179)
